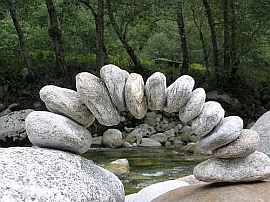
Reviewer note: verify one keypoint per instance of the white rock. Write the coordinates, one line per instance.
(155, 91)
(134, 96)
(194, 106)
(225, 132)
(66, 102)
(115, 80)
(112, 138)
(46, 129)
(178, 93)
(37, 174)
(96, 97)
(210, 116)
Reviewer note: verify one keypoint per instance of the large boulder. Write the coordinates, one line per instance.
(155, 91)
(210, 116)
(96, 97)
(115, 81)
(254, 167)
(178, 93)
(12, 125)
(135, 97)
(112, 138)
(248, 192)
(66, 102)
(46, 129)
(37, 174)
(262, 126)
(244, 145)
(225, 132)
(194, 106)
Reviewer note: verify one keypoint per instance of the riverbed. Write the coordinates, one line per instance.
(148, 165)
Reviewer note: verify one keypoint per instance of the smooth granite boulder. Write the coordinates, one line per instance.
(135, 97)
(244, 145)
(96, 97)
(38, 174)
(225, 132)
(194, 106)
(254, 167)
(210, 116)
(46, 129)
(115, 81)
(112, 138)
(155, 91)
(66, 102)
(178, 93)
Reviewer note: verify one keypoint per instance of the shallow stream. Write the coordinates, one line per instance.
(148, 165)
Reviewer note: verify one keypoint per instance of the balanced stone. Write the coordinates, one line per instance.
(96, 97)
(155, 91)
(39, 174)
(134, 95)
(115, 80)
(225, 132)
(112, 138)
(194, 106)
(178, 93)
(46, 129)
(66, 102)
(254, 167)
(210, 116)
(244, 145)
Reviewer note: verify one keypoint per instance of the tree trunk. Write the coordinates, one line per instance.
(226, 35)
(21, 37)
(233, 51)
(217, 70)
(55, 34)
(182, 33)
(100, 44)
(122, 37)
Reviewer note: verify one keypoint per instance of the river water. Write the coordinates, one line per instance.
(148, 165)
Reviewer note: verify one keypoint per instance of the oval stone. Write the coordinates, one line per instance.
(244, 145)
(194, 106)
(96, 97)
(134, 95)
(155, 91)
(66, 102)
(178, 93)
(210, 116)
(115, 80)
(46, 129)
(225, 132)
(254, 167)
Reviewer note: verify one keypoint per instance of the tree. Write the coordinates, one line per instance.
(182, 33)
(55, 34)
(101, 53)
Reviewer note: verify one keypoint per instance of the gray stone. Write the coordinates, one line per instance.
(251, 168)
(186, 135)
(194, 148)
(176, 140)
(115, 80)
(128, 130)
(262, 126)
(12, 125)
(11, 108)
(244, 145)
(46, 129)
(225, 132)
(118, 167)
(147, 142)
(112, 138)
(163, 125)
(169, 133)
(97, 141)
(37, 174)
(96, 97)
(194, 106)
(152, 118)
(134, 96)
(161, 137)
(143, 130)
(210, 116)
(127, 145)
(178, 93)
(178, 128)
(66, 102)
(155, 91)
